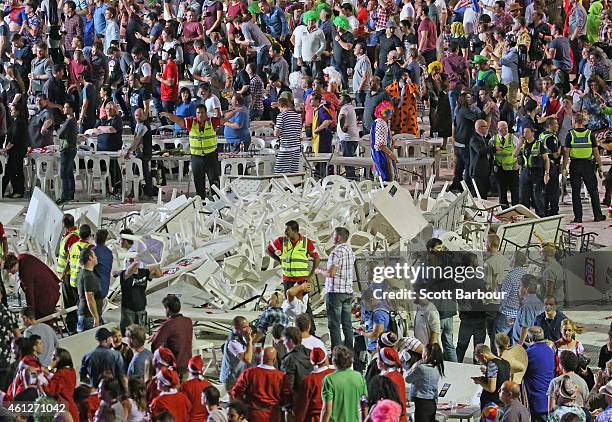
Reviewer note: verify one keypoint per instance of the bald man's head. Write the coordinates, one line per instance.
(509, 391)
(139, 115)
(481, 127)
(269, 356)
(502, 128)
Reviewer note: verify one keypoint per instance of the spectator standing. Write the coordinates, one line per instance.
(142, 358)
(296, 363)
(348, 132)
(496, 371)
(303, 322)
(102, 359)
(288, 127)
(339, 277)
(193, 388)
(237, 352)
(15, 146)
(362, 72)
(568, 341)
(91, 300)
(67, 134)
(428, 36)
(568, 363)
(44, 331)
(515, 355)
(104, 258)
(606, 415)
(342, 390)
(309, 46)
(424, 376)
(309, 407)
(391, 367)
(510, 287)
(176, 333)
(531, 307)
(170, 399)
(514, 410)
(426, 322)
(539, 374)
(565, 399)
(550, 320)
(73, 27)
(169, 80)
(236, 126)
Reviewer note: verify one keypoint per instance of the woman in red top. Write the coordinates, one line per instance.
(62, 381)
(308, 407)
(24, 351)
(390, 366)
(169, 399)
(193, 388)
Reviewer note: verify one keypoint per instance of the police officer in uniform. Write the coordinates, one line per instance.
(581, 147)
(506, 165)
(535, 170)
(203, 148)
(553, 191)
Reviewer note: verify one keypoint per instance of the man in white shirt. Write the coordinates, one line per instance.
(303, 323)
(309, 45)
(211, 101)
(297, 301)
(426, 321)
(362, 73)
(348, 133)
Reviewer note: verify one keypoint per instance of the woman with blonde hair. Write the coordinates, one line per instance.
(567, 341)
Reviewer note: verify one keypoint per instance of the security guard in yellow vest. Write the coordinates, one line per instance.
(69, 285)
(203, 148)
(552, 193)
(71, 235)
(506, 165)
(535, 170)
(581, 147)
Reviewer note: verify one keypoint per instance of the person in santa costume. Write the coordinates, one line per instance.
(308, 408)
(193, 388)
(263, 389)
(170, 400)
(390, 366)
(162, 358)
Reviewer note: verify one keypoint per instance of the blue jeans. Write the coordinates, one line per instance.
(342, 70)
(462, 164)
(446, 328)
(348, 150)
(84, 323)
(67, 173)
(263, 58)
(453, 94)
(502, 324)
(338, 308)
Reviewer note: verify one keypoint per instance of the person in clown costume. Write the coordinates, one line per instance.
(384, 157)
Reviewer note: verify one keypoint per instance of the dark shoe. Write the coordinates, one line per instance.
(600, 218)
(577, 220)
(60, 201)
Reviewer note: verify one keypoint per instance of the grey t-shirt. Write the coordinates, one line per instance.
(583, 389)
(37, 139)
(137, 364)
(554, 272)
(89, 282)
(562, 58)
(40, 67)
(49, 340)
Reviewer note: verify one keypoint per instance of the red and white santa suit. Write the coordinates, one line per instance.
(308, 407)
(61, 386)
(170, 400)
(264, 391)
(162, 358)
(193, 387)
(391, 359)
(19, 384)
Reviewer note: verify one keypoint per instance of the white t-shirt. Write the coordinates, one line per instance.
(212, 103)
(295, 307)
(311, 342)
(407, 12)
(235, 347)
(348, 111)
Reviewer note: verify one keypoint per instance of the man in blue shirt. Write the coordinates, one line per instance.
(539, 373)
(375, 317)
(275, 19)
(101, 359)
(531, 307)
(105, 261)
(99, 18)
(550, 320)
(606, 415)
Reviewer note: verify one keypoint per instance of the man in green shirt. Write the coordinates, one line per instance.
(486, 77)
(343, 389)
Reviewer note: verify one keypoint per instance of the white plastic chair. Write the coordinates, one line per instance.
(263, 131)
(47, 173)
(80, 172)
(96, 173)
(257, 144)
(130, 179)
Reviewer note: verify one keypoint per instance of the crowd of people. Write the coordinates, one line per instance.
(534, 367)
(526, 85)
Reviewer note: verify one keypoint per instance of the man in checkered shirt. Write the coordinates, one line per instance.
(510, 287)
(339, 277)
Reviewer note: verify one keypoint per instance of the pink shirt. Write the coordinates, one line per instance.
(191, 30)
(427, 25)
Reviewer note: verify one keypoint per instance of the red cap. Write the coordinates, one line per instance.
(168, 377)
(390, 357)
(195, 365)
(317, 356)
(164, 356)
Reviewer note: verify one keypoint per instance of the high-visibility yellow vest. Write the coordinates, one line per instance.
(504, 158)
(204, 141)
(75, 266)
(62, 258)
(580, 145)
(294, 259)
(534, 160)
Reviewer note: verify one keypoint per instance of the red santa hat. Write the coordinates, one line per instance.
(195, 365)
(168, 377)
(317, 356)
(390, 357)
(164, 356)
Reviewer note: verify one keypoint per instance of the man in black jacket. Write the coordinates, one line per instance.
(296, 363)
(479, 159)
(471, 311)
